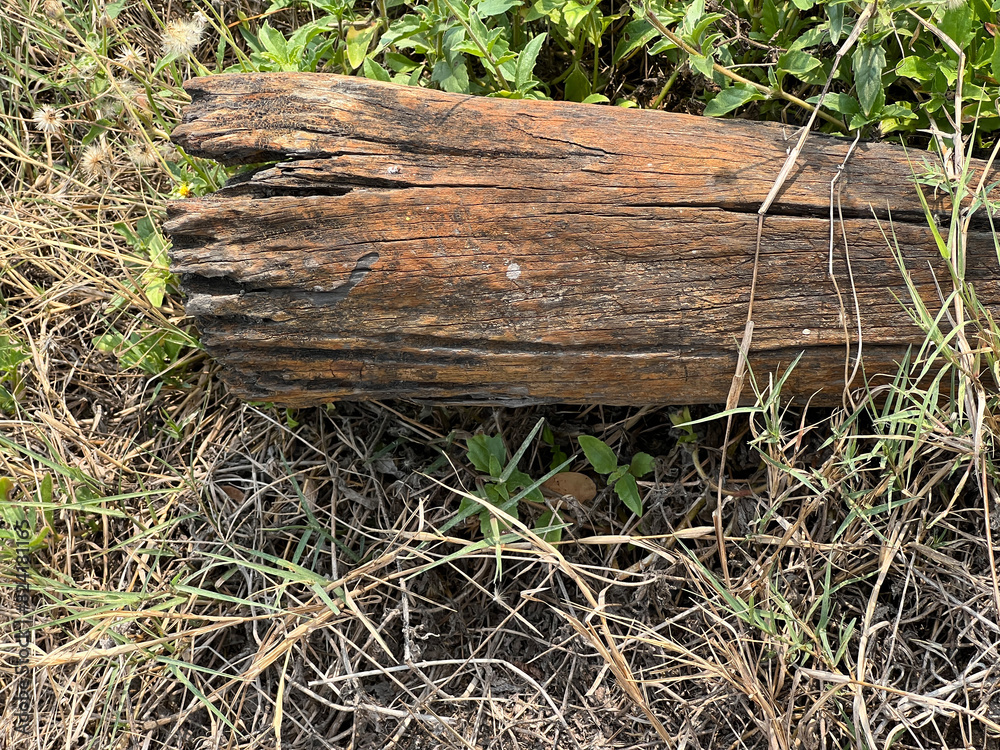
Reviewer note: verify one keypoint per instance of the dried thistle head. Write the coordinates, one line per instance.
(97, 159)
(54, 9)
(183, 35)
(131, 58)
(48, 120)
(106, 21)
(143, 155)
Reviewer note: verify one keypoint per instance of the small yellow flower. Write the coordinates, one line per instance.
(184, 190)
(48, 120)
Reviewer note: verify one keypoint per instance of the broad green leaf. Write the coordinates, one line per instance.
(498, 496)
(915, 67)
(731, 98)
(898, 111)
(468, 507)
(596, 99)
(858, 121)
(869, 61)
(155, 288)
(628, 491)
(273, 41)
(601, 457)
(476, 46)
(642, 464)
(526, 61)
(804, 4)
(7, 400)
(452, 77)
(122, 228)
(838, 102)
(112, 10)
(577, 87)
(636, 34)
(495, 468)
(375, 71)
(452, 39)
(400, 63)
(957, 23)
(835, 14)
(95, 132)
(519, 479)
(499, 493)
(617, 474)
(798, 63)
(703, 64)
(12, 353)
(495, 7)
(770, 19)
(358, 41)
(545, 8)
(482, 448)
(811, 38)
(701, 27)
(550, 519)
(574, 13)
(662, 46)
(694, 12)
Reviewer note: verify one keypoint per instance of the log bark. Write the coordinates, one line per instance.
(413, 243)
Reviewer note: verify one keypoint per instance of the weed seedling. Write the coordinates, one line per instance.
(622, 476)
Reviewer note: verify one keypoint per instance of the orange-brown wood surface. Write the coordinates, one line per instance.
(414, 243)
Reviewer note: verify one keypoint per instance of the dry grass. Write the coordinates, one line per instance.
(212, 574)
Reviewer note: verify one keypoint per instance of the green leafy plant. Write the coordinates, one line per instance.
(17, 513)
(155, 278)
(558, 454)
(900, 75)
(504, 486)
(306, 50)
(622, 476)
(153, 350)
(12, 353)
(489, 455)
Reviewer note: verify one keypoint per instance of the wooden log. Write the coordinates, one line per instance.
(414, 243)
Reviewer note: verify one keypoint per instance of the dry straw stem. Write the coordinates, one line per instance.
(739, 376)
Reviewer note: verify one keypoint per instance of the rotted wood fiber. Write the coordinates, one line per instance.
(414, 243)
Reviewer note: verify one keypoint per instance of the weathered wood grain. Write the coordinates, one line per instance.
(427, 245)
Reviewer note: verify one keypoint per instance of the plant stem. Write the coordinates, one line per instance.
(666, 87)
(486, 52)
(738, 78)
